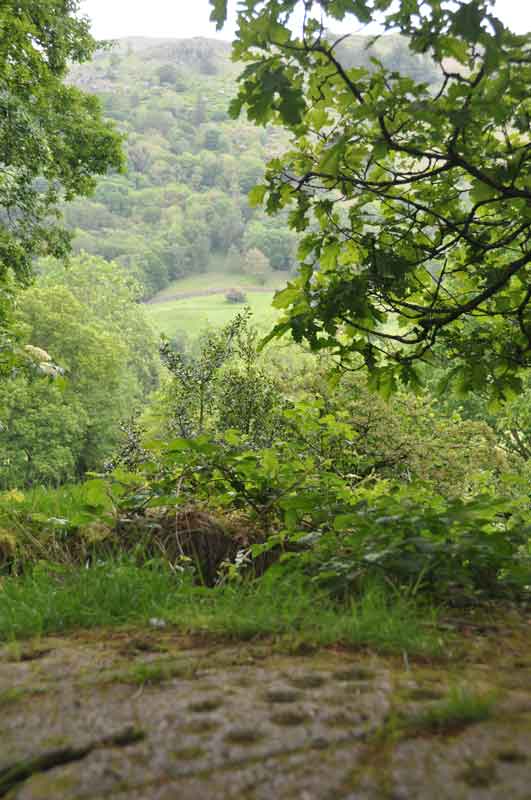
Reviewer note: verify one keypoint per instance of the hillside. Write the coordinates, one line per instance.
(183, 200)
(190, 168)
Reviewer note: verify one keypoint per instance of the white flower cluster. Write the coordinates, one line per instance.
(42, 361)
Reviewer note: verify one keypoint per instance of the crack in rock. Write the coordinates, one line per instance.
(22, 770)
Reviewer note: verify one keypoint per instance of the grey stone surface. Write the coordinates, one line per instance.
(245, 722)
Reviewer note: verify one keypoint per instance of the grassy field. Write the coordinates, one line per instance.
(194, 314)
(218, 280)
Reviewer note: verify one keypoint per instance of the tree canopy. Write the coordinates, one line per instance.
(53, 138)
(414, 200)
(183, 203)
(88, 320)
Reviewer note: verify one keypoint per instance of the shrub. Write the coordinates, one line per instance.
(235, 296)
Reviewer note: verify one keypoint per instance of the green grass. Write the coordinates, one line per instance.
(61, 503)
(54, 600)
(455, 712)
(154, 672)
(194, 314)
(48, 601)
(219, 280)
(41, 524)
(14, 695)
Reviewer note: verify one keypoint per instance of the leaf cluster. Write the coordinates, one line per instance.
(344, 487)
(413, 199)
(53, 137)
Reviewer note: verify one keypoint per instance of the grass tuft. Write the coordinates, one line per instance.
(461, 708)
(17, 693)
(154, 672)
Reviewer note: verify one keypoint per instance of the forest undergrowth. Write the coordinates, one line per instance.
(267, 495)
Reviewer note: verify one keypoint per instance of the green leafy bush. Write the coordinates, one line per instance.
(338, 529)
(235, 296)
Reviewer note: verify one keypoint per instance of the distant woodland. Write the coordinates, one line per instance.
(183, 206)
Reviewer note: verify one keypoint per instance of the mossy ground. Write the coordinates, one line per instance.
(250, 720)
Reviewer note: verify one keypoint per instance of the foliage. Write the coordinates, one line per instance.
(342, 483)
(275, 241)
(409, 437)
(248, 398)
(55, 430)
(426, 543)
(112, 295)
(336, 484)
(131, 452)
(413, 198)
(342, 488)
(53, 138)
(64, 502)
(168, 74)
(513, 422)
(341, 530)
(184, 201)
(235, 296)
(42, 438)
(407, 180)
(190, 167)
(222, 385)
(192, 390)
(62, 525)
(257, 265)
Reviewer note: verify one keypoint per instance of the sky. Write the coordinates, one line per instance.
(112, 19)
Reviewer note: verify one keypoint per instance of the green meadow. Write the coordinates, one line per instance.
(191, 315)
